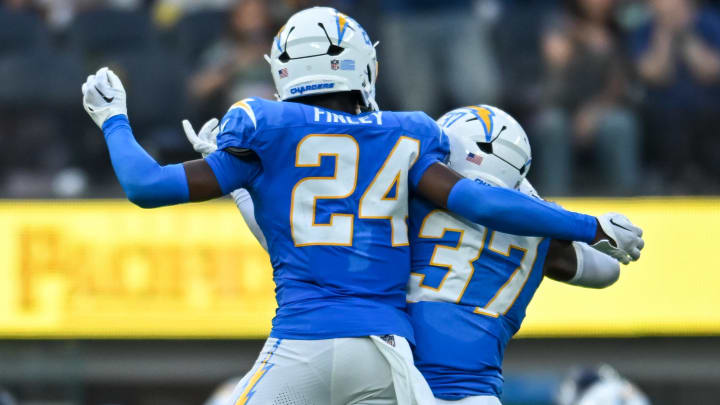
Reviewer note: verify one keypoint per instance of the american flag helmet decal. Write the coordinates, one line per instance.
(477, 159)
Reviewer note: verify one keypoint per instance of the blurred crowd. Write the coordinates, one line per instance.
(618, 97)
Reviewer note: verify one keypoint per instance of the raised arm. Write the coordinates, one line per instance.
(148, 184)
(145, 182)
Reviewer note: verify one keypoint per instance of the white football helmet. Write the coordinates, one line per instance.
(321, 50)
(599, 385)
(487, 144)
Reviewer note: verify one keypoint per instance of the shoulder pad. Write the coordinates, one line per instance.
(413, 120)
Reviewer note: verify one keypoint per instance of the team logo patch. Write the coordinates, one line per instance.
(334, 64)
(471, 157)
(389, 339)
(347, 64)
(283, 73)
(485, 116)
(342, 24)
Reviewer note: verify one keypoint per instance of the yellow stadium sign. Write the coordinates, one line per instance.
(109, 269)
(672, 290)
(112, 269)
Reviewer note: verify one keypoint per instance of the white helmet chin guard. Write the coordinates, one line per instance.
(487, 144)
(320, 50)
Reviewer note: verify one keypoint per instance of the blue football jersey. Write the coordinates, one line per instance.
(331, 199)
(467, 295)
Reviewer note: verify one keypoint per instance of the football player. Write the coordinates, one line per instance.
(470, 284)
(330, 186)
(497, 161)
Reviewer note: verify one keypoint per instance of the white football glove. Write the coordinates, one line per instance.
(104, 96)
(526, 188)
(626, 238)
(204, 142)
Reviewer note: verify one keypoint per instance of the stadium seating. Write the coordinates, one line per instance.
(20, 32)
(107, 31)
(195, 31)
(43, 77)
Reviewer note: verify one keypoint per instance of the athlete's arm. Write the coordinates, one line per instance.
(560, 262)
(145, 182)
(578, 264)
(575, 262)
(505, 210)
(148, 184)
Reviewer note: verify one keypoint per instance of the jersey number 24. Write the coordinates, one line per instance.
(385, 198)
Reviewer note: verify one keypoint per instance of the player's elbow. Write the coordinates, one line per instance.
(156, 186)
(142, 194)
(139, 198)
(143, 203)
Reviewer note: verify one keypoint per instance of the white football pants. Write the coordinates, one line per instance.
(333, 372)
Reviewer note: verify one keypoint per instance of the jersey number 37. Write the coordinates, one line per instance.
(512, 259)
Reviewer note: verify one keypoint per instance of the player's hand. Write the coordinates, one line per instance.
(625, 239)
(204, 142)
(104, 96)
